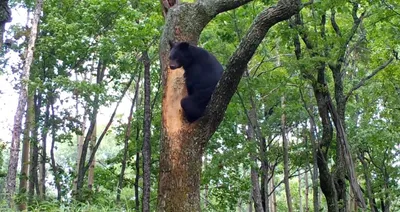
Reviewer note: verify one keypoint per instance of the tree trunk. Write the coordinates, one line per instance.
(321, 95)
(273, 202)
(80, 139)
(126, 141)
(5, 16)
(307, 207)
(256, 190)
(42, 171)
(93, 163)
(286, 158)
(23, 183)
(367, 176)
(22, 99)
(314, 177)
(34, 163)
(146, 150)
(137, 171)
(54, 165)
(82, 168)
(300, 195)
(182, 144)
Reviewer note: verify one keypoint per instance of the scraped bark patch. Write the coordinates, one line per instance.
(174, 92)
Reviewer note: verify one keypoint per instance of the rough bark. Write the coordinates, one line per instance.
(286, 158)
(182, 144)
(5, 16)
(22, 99)
(146, 149)
(137, 177)
(256, 193)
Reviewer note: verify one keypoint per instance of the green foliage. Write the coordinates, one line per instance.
(78, 37)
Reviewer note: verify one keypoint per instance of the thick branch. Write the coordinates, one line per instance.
(334, 24)
(365, 79)
(238, 61)
(214, 7)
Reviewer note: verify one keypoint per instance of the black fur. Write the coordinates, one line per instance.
(202, 73)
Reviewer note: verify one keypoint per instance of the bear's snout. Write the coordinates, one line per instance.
(173, 66)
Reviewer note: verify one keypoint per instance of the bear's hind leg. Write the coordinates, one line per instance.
(191, 109)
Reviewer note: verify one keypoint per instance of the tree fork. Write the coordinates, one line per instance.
(182, 144)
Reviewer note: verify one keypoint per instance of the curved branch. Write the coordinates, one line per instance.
(364, 80)
(334, 24)
(214, 7)
(237, 63)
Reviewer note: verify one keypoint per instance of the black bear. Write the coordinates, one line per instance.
(202, 73)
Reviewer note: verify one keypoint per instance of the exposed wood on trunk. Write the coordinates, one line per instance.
(166, 4)
(22, 99)
(182, 144)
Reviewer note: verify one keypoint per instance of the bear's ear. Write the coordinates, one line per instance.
(184, 45)
(171, 43)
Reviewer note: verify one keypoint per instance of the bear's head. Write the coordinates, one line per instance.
(180, 55)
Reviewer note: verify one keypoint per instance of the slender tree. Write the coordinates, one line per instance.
(286, 157)
(126, 140)
(23, 183)
(22, 99)
(146, 149)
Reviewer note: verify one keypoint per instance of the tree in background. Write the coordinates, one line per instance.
(23, 96)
